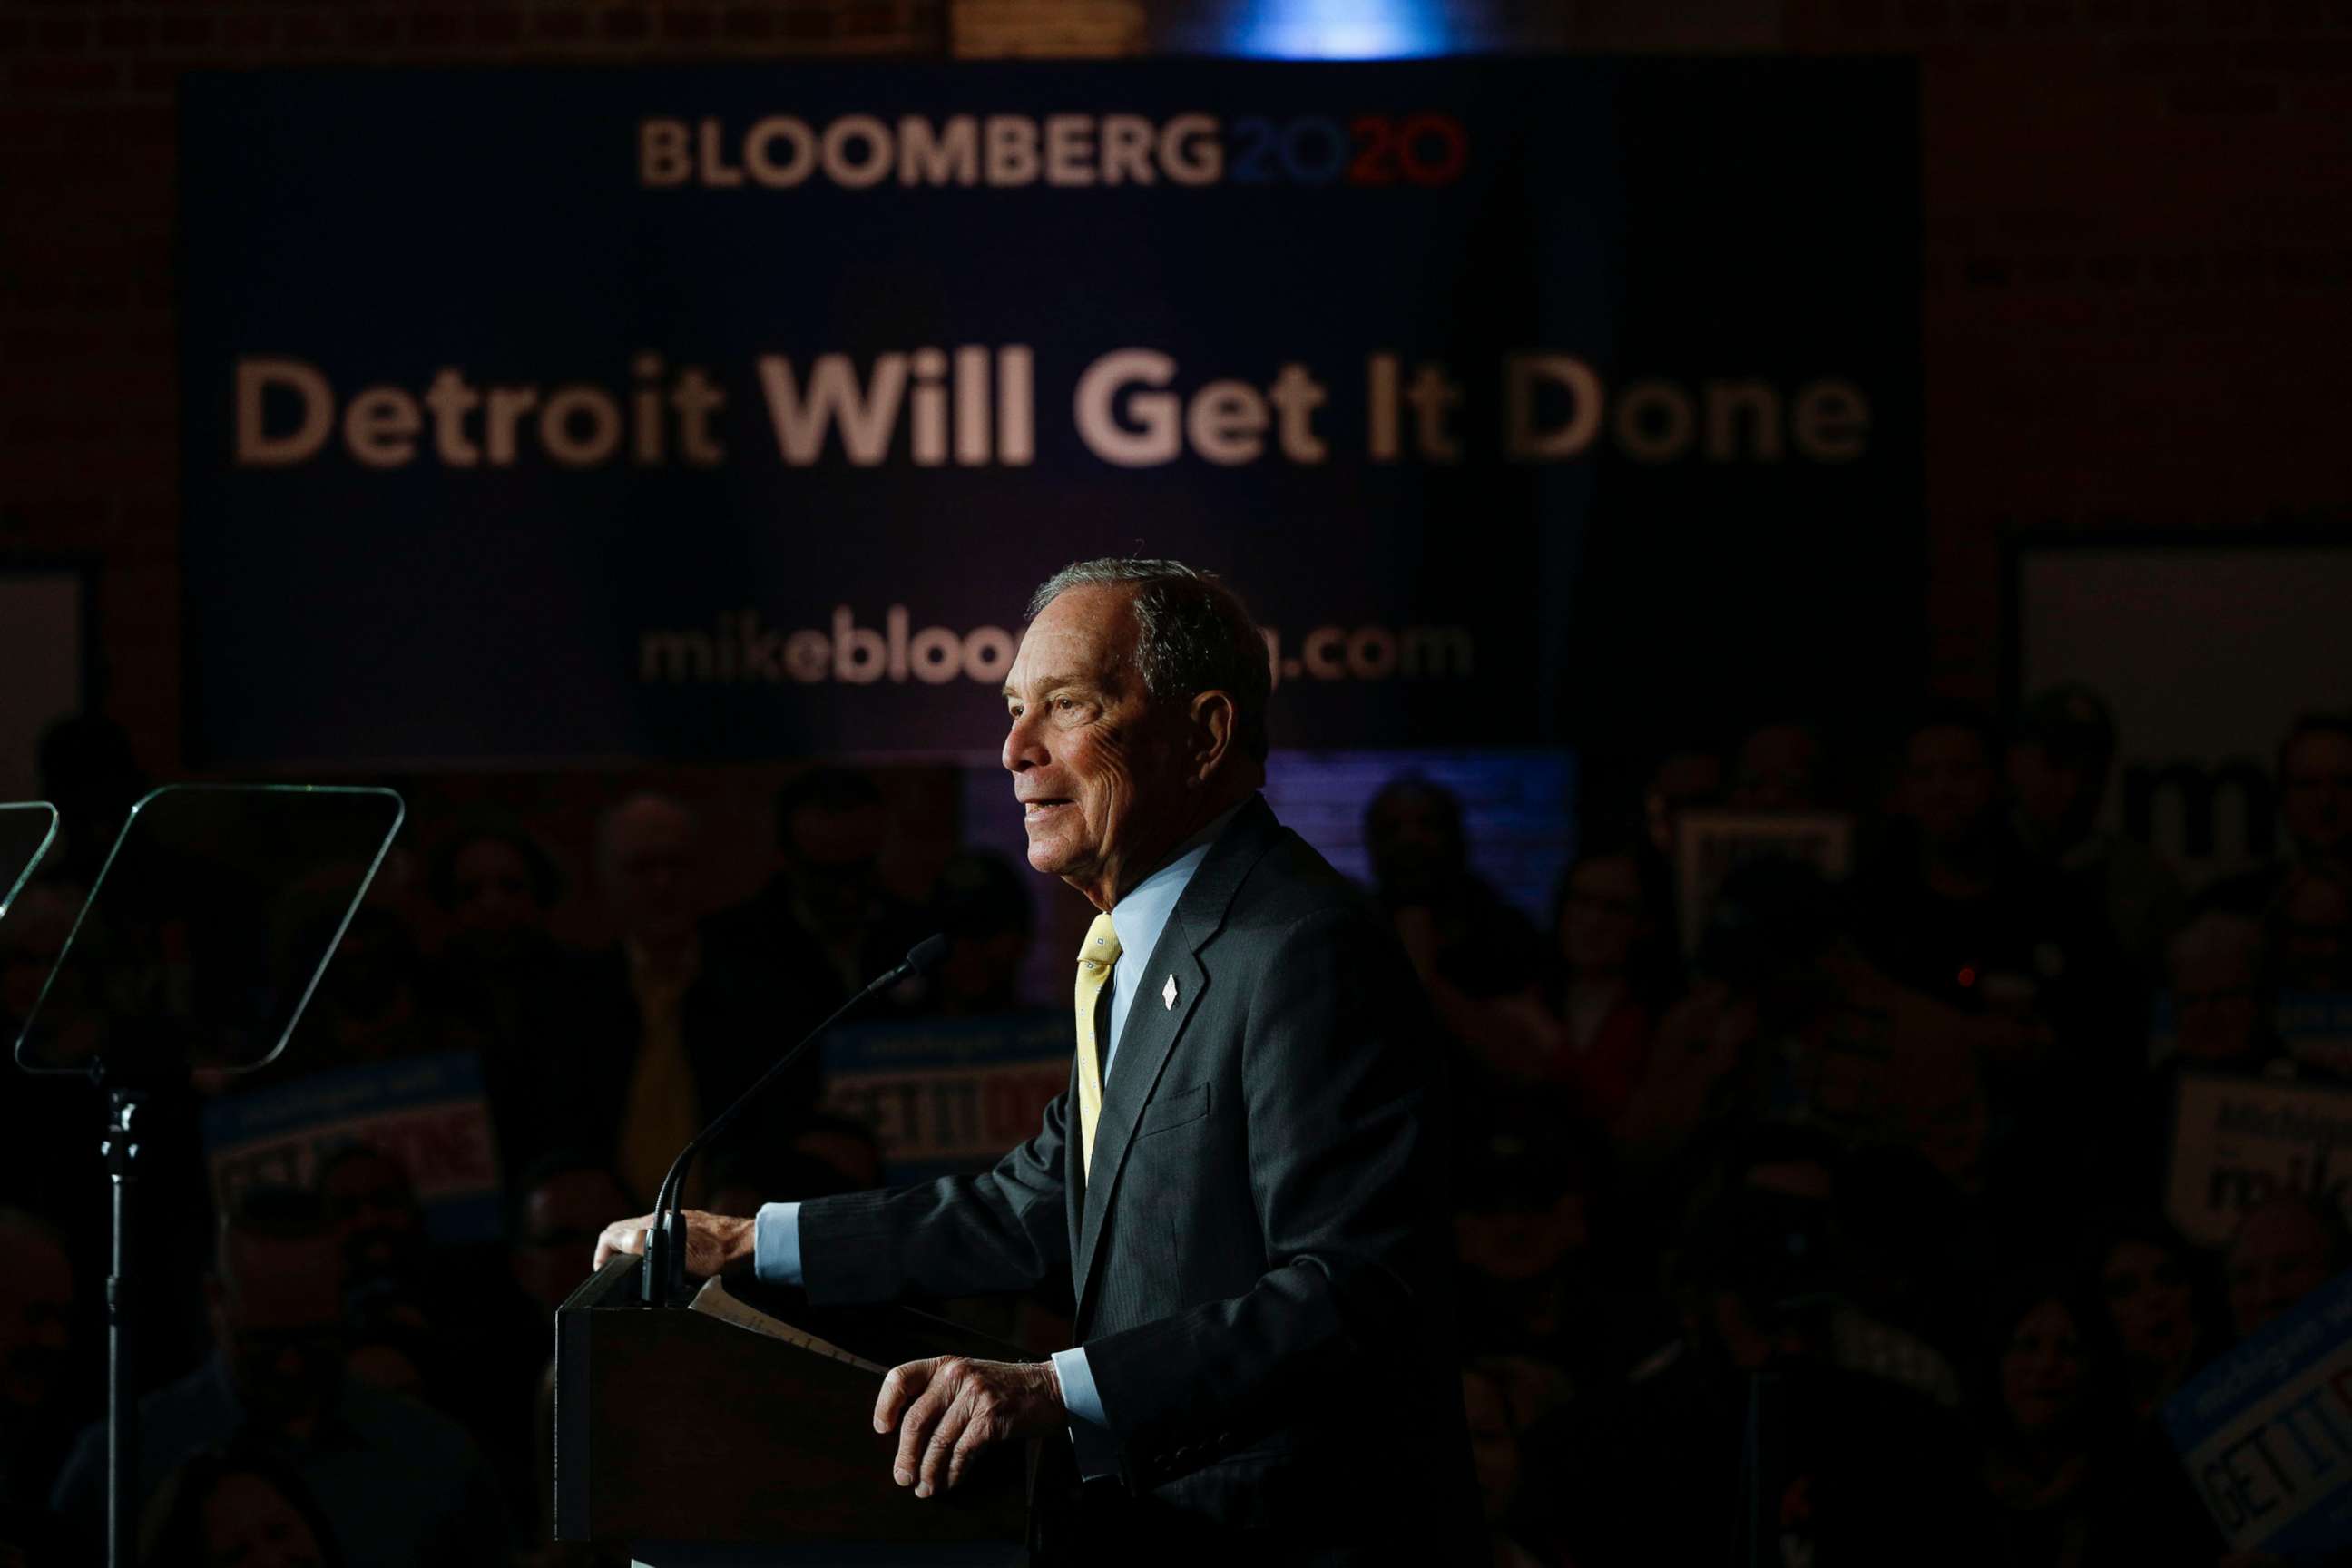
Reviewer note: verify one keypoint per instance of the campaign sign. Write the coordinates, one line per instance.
(1709, 846)
(735, 411)
(2266, 1431)
(2236, 1141)
(2316, 1027)
(946, 1095)
(426, 1113)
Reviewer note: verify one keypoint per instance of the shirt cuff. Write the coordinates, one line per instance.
(1079, 1396)
(776, 1245)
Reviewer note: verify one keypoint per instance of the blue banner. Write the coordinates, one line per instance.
(429, 1113)
(2266, 1432)
(734, 411)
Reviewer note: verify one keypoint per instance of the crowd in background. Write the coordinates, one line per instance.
(1819, 1223)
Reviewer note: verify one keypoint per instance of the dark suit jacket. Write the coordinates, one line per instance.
(1262, 1262)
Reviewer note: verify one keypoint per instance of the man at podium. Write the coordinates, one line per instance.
(1243, 1187)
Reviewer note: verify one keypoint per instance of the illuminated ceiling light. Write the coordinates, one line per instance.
(1337, 29)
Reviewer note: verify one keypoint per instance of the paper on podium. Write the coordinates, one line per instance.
(714, 1301)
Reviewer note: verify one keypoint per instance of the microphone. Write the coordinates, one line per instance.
(665, 1266)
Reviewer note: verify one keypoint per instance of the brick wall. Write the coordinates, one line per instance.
(2136, 295)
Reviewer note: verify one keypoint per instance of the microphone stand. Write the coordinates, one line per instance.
(121, 1149)
(663, 1283)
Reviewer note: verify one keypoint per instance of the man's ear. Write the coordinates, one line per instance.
(1210, 741)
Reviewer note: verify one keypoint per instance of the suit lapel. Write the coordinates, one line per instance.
(1154, 1025)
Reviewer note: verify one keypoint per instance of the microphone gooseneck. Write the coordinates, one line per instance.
(664, 1263)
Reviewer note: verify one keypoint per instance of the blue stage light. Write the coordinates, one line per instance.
(1339, 29)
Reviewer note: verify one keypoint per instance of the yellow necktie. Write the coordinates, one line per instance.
(1095, 962)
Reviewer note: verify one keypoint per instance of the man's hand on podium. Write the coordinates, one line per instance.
(715, 1243)
(947, 1408)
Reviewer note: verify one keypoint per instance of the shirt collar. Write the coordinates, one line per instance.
(1143, 914)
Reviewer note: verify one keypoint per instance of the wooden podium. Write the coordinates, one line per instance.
(743, 1426)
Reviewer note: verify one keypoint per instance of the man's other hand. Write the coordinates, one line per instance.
(947, 1409)
(715, 1243)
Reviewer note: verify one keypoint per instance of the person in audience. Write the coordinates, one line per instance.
(1780, 766)
(1478, 958)
(2059, 1496)
(1685, 778)
(2286, 1246)
(2062, 753)
(2313, 773)
(1957, 913)
(369, 1005)
(676, 1023)
(2220, 995)
(503, 974)
(982, 904)
(1613, 975)
(2310, 925)
(399, 1484)
(38, 1391)
(560, 1206)
(825, 925)
(237, 1507)
(2152, 1287)
(1741, 1439)
(1458, 929)
(1495, 1431)
(373, 1204)
(1519, 1230)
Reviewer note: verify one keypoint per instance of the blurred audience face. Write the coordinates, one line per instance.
(36, 1290)
(371, 978)
(496, 905)
(2215, 965)
(2041, 1371)
(2149, 1300)
(1603, 919)
(2051, 796)
(1494, 1443)
(561, 1218)
(2312, 931)
(1412, 832)
(645, 855)
(1948, 783)
(1778, 770)
(386, 1367)
(833, 857)
(277, 1306)
(248, 1523)
(1682, 780)
(2283, 1251)
(374, 1207)
(2316, 792)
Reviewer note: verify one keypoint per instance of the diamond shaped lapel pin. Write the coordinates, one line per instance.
(1168, 994)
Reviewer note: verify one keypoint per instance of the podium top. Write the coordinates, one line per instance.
(27, 830)
(209, 926)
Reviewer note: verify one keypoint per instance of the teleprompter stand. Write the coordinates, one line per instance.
(192, 957)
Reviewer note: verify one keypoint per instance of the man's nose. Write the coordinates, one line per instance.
(1022, 751)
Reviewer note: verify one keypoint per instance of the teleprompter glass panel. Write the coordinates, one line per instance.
(209, 926)
(27, 830)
